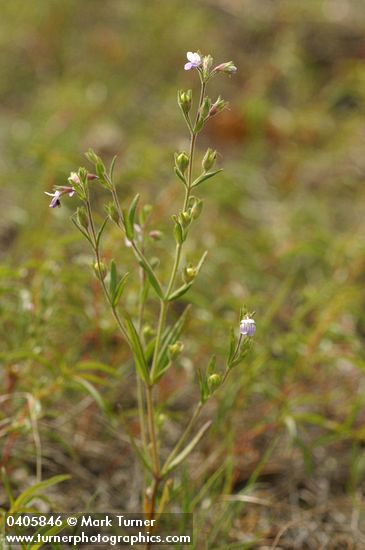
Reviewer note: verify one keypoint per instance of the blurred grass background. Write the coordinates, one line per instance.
(284, 226)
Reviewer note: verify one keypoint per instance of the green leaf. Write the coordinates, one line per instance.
(137, 349)
(119, 289)
(132, 211)
(112, 165)
(178, 232)
(100, 232)
(184, 288)
(91, 390)
(7, 486)
(180, 175)
(94, 366)
(232, 346)
(151, 276)
(170, 336)
(113, 279)
(49, 533)
(129, 229)
(35, 490)
(189, 448)
(180, 291)
(211, 365)
(81, 229)
(203, 386)
(205, 177)
(202, 260)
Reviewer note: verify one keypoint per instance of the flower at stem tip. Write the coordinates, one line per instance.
(69, 190)
(194, 61)
(59, 191)
(247, 327)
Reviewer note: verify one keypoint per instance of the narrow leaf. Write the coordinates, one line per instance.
(138, 354)
(112, 165)
(189, 448)
(113, 278)
(94, 366)
(100, 232)
(7, 486)
(151, 276)
(180, 291)
(129, 229)
(132, 210)
(34, 491)
(205, 177)
(119, 289)
(91, 390)
(232, 346)
(180, 175)
(169, 337)
(82, 230)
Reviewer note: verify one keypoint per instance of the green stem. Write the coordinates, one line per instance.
(152, 429)
(183, 437)
(140, 388)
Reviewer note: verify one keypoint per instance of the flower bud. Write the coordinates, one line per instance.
(196, 208)
(185, 219)
(81, 176)
(148, 331)
(205, 108)
(184, 100)
(214, 381)
(155, 235)
(174, 350)
(100, 270)
(161, 419)
(207, 64)
(113, 212)
(181, 161)
(92, 156)
(74, 179)
(82, 217)
(209, 160)
(229, 68)
(189, 274)
(218, 106)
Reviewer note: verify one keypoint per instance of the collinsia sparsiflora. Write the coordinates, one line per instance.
(194, 61)
(59, 191)
(156, 350)
(248, 327)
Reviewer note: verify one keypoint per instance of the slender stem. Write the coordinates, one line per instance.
(152, 429)
(153, 501)
(193, 138)
(140, 388)
(183, 437)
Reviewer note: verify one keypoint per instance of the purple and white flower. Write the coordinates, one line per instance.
(247, 327)
(194, 61)
(59, 191)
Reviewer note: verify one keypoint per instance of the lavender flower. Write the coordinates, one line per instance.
(59, 191)
(194, 61)
(248, 327)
